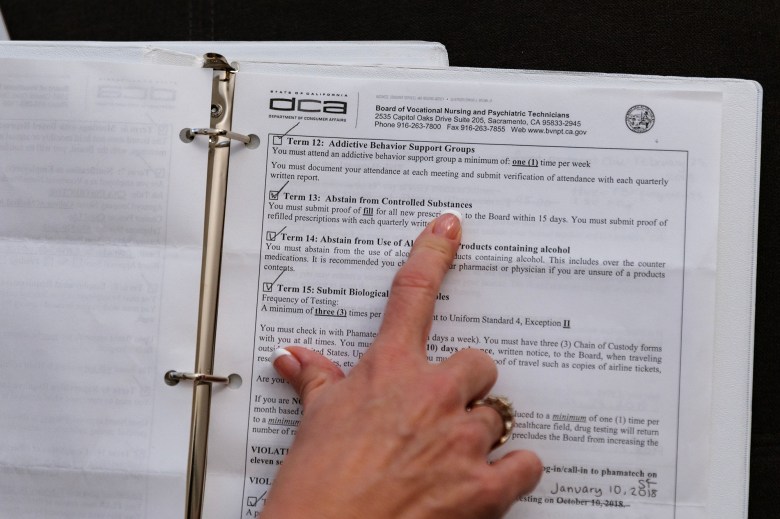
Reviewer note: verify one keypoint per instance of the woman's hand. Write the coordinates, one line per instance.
(394, 439)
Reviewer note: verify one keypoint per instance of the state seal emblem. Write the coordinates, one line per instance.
(640, 118)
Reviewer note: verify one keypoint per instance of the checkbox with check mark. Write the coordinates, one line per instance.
(272, 235)
(274, 195)
(268, 286)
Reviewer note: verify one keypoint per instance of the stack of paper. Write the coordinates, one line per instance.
(607, 265)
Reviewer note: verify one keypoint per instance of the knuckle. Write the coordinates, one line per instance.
(446, 386)
(413, 279)
(309, 386)
(440, 248)
(479, 360)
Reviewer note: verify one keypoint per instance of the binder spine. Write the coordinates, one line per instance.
(223, 82)
(219, 137)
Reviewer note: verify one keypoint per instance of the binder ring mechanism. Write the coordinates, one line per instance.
(251, 141)
(173, 377)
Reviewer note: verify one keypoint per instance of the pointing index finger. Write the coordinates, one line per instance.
(409, 310)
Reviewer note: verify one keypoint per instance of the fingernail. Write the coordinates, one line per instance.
(448, 224)
(285, 363)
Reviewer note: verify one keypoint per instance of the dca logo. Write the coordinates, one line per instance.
(293, 104)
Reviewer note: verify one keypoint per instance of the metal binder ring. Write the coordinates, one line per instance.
(251, 141)
(173, 377)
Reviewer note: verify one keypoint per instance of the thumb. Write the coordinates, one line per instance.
(307, 371)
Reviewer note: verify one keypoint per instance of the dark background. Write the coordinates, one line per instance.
(737, 39)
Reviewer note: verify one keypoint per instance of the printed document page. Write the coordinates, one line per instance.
(101, 211)
(586, 268)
